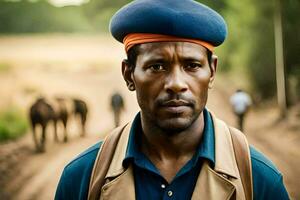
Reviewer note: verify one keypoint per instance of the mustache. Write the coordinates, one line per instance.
(175, 100)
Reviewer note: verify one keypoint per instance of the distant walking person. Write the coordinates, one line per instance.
(240, 102)
(117, 105)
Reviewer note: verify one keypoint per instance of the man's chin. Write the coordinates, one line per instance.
(174, 126)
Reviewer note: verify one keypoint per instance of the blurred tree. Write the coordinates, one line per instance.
(100, 12)
(218, 5)
(40, 16)
(291, 38)
(261, 63)
(250, 45)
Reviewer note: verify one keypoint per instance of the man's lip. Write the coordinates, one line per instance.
(175, 103)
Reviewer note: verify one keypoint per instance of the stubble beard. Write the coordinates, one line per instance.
(172, 126)
(176, 126)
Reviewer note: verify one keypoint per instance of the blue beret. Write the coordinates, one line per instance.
(181, 18)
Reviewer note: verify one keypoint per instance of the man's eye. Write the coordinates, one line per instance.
(156, 67)
(193, 66)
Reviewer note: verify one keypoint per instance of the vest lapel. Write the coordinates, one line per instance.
(121, 187)
(212, 186)
(116, 165)
(120, 181)
(222, 182)
(225, 157)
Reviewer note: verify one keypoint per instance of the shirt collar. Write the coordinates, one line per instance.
(206, 148)
(132, 152)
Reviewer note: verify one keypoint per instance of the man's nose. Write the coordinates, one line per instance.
(175, 81)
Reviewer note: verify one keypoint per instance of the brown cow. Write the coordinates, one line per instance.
(58, 111)
(41, 113)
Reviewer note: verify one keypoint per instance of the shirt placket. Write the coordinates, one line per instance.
(168, 191)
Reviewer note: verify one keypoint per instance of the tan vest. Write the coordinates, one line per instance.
(219, 183)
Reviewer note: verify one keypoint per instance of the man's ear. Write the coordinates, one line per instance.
(127, 72)
(213, 70)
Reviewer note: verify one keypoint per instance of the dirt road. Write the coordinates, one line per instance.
(88, 67)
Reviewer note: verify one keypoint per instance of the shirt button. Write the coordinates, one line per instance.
(170, 193)
(163, 186)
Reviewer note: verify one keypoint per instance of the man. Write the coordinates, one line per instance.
(174, 148)
(117, 105)
(240, 102)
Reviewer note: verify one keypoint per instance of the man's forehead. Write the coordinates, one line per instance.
(186, 49)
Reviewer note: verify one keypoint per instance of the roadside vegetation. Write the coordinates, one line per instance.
(4, 67)
(13, 123)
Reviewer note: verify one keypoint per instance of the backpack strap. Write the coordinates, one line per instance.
(243, 159)
(102, 163)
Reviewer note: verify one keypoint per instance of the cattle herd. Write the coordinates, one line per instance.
(57, 111)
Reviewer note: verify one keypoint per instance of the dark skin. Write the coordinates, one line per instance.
(171, 80)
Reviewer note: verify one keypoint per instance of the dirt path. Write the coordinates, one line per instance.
(92, 72)
(39, 174)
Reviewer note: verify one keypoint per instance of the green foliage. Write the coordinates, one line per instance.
(291, 27)
(218, 5)
(100, 20)
(250, 46)
(40, 16)
(13, 124)
(4, 67)
(261, 63)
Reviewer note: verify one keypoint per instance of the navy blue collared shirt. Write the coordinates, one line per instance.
(148, 179)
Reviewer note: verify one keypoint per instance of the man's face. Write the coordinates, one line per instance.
(171, 80)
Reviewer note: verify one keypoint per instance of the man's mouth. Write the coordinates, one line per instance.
(175, 106)
(175, 103)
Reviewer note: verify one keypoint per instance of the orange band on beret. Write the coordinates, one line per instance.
(139, 38)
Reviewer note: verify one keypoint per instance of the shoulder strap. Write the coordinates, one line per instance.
(102, 163)
(243, 159)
